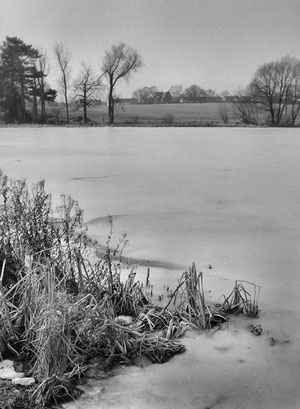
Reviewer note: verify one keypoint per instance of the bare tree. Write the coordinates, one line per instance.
(294, 95)
(37, 75)
(145, 95)
(63, 57)
(176, 92)
(194, 93)
(272, 86)
(245, 109)
(211, 93)
(56, 109)
(224, 94)
(138, 95)
(87, 85)
(42, 70)
(224, 112)
(119, 63)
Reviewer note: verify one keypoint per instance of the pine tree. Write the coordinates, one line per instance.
(17, 80)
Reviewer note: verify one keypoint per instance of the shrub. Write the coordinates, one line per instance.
(29, 229)
(224, 112)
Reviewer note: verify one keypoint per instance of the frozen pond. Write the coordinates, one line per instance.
(220, 196)
(225, 197)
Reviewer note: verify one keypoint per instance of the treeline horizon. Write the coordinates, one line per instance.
(272, 96)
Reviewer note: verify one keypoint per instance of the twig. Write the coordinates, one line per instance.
(173, 295)
(2, 271)
(11, 330)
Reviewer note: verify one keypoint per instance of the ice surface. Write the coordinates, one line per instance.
(225, 197)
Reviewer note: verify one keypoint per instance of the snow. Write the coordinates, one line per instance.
(7, 370)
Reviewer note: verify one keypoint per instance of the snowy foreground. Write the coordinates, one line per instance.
(229, 198)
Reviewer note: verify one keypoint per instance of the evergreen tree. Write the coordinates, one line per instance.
(17, 78)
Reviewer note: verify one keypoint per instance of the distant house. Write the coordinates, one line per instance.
(167, 98)
(158, 97)
(162, 97)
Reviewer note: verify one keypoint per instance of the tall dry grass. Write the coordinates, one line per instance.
(58, 309)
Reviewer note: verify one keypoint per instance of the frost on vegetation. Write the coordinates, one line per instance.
(58, 309)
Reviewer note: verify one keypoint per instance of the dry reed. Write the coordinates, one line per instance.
(242, 300)
(189, 301)
(58, 310)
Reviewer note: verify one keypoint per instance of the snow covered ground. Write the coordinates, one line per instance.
(224, 197)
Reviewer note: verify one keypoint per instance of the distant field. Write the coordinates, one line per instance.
(200, 114)
(205, 114)
(154, 114)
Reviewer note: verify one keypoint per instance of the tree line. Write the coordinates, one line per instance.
(24, 90)
(176, 94)
(272, 96)
(22, 78)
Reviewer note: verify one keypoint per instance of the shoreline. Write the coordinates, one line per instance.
(192, 124)
(225, 367)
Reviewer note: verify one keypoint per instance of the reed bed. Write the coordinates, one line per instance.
(56, 332)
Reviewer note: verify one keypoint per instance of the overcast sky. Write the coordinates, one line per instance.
(212, 43)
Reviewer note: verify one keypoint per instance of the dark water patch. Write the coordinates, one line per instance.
(136, 261)
(93, 178)
(104, 219)
(223, 348)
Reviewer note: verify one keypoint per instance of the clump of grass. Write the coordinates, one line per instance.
(169, 324)
(189, 301)
(57, 332)
(243, 299)
(31, 229)
(57, 309)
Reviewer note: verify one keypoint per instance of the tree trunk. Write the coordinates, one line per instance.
(34, 108)
(295, 111)
(272, 113)
(84, 106)
(67, 107)
(23, 108)
(66, 96)
(111, 107)
(42, 98)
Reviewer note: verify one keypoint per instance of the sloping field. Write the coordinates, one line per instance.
(153, 114)
(207, 112)
(200, 114)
